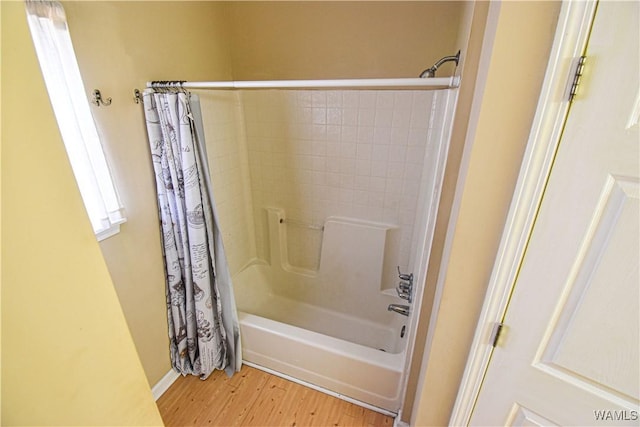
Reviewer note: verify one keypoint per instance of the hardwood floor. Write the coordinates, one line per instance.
(256, 398)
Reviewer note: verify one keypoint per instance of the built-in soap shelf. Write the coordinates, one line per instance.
(352, 250)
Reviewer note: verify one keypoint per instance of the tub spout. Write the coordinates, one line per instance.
(398, 308)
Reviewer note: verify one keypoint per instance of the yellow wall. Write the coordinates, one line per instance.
(120, 46)
(490, 165)
(67, 355)
(327, 40)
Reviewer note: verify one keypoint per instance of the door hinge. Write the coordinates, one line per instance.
(577, 77)
(495, 333)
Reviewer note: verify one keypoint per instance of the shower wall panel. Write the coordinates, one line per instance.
(227, 153)
(352, 153)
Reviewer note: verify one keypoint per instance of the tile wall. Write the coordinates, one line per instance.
(227, 153)
(354, 153)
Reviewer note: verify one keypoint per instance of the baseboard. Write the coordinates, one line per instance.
(164, 383)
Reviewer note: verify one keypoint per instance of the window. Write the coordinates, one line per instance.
(48, 25)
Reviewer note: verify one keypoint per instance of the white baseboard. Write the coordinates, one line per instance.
(164, 383)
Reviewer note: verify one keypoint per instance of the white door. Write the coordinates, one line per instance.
(570, 351)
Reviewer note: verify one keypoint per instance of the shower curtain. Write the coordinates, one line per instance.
(203, 321)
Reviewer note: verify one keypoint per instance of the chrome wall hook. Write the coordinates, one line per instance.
(137, 96)
(97, 99)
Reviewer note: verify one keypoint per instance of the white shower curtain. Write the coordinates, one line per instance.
(203, 321)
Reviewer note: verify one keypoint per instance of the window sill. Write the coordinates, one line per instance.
(108, 232)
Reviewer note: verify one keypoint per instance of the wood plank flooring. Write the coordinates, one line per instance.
(256, 398)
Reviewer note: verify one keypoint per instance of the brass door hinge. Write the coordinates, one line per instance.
(495, 333)
(577, 77)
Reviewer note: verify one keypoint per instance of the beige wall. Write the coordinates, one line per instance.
(120, 46)
(326, 40)
(490, 165)
(67, 355)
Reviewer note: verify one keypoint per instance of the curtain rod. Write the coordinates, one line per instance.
(400, 83)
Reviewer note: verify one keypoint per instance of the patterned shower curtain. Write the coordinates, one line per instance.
(203, 321)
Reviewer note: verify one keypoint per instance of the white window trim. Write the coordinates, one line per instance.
(48, 25)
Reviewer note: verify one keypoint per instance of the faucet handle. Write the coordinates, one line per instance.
(405, 286)
(404, 293)
(403, 276)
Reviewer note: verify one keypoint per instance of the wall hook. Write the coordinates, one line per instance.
(137, 96)
(97, 99)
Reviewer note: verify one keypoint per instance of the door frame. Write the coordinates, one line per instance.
(572, 33)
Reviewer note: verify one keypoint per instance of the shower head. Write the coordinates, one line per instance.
(431, 72)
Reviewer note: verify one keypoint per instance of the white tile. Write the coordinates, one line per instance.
(397, 153)
(349, 150)
(333, 149)
(319, 132)
(361, 182)
(348, 165)
(319, 148)
(376, 199)
(394, 187)
(334, 98)
(350, 117)
(304, 98)
(378, 169)
(382, 136)
(420, 119)
(347, 180)
(319, 116)
(363, 167)
(333, 164)
(363, 151)
(395, 170)
(380, 153)
(304, 115)
(333, 179)
(410, 188)
(399, 136)
(367, 99)
(345, 195)
(349, 134)
(377, 184)
(350, 99)
(385, 99)
(366, 117)
(401, 118)
(415, 154)
(365, 134)
(334, 116)
(319, 178)
(384, 117)
(318, 163)
(390, 214)
(422, 100)
(417, 136)
(407, 217)
(403, 99)
(334, 133)
(361, 197)
(319, 98)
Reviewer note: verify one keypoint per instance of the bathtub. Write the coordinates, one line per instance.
(352, 357)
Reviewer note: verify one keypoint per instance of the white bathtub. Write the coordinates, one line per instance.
(346, 355)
